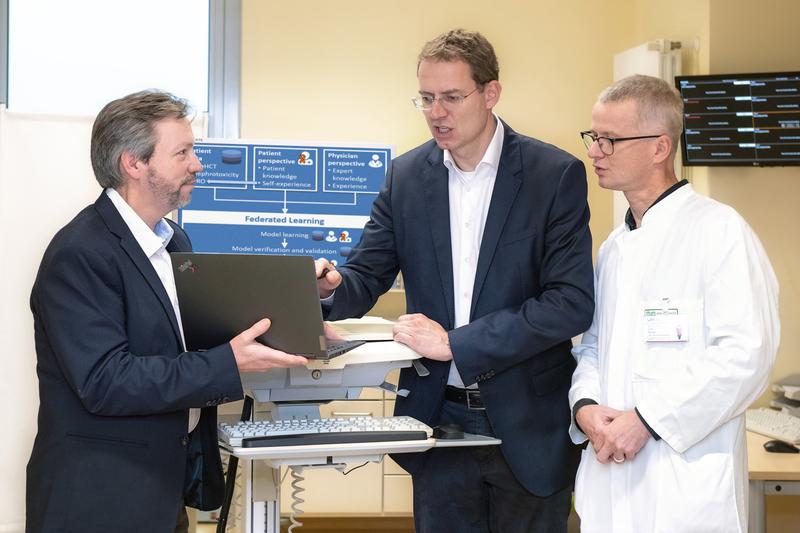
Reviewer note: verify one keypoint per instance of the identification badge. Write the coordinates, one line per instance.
(666, 324)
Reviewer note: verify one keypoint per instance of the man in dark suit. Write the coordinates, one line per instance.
(489, 229)
(121, 445)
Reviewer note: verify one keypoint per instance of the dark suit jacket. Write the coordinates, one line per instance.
(533, 291)
(115, 387)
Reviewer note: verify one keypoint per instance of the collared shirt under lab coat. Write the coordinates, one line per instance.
(704, 258)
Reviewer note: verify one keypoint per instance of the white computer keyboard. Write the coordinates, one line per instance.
(301, 432)
(773, 423)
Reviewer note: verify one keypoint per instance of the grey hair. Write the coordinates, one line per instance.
(658, 103)
(128, 125)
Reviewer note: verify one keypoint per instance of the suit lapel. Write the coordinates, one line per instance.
(117, 226)
(434, 180)
(506, 186)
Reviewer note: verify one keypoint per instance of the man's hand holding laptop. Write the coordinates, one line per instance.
(253, 356)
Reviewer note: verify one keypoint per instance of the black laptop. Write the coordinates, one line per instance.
(221, 295)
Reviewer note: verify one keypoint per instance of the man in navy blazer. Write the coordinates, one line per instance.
(490, 231)
(121, 444)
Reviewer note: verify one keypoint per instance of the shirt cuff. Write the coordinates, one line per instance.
(328, 300)
(580, 403)
(655, 435)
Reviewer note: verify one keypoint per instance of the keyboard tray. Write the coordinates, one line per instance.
(332, 438)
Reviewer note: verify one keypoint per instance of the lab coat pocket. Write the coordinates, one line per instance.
(683, 478)
(669, 332)
(641, 387)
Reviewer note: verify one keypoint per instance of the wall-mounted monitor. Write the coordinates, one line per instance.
(741, 119)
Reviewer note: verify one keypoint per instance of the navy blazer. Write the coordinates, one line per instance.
(115, 387)
(533, 292)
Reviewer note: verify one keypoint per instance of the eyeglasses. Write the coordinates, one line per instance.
(424, 102)
(606, 144)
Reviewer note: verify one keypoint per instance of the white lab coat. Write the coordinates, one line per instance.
(704, 259)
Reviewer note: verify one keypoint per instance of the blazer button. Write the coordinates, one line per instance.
(210, 403)
(185, 441)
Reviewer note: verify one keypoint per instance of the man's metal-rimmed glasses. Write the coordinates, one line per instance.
(424, 102)
(606, 144)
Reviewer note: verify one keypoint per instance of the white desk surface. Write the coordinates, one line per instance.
(763, 465)
(371, 352)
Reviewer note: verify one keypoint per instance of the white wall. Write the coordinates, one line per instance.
(45, 178)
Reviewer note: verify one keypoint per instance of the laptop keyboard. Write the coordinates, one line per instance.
(337, 348)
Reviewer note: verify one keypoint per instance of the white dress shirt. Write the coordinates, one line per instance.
(470, 195)
(154, 246)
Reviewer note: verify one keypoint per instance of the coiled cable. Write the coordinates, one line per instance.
(297, 477)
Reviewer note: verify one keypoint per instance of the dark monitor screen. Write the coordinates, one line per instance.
(741, 119)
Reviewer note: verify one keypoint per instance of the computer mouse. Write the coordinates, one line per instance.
(448, 431)
(779, 446)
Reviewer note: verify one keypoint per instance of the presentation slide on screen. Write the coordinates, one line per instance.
(285, 199)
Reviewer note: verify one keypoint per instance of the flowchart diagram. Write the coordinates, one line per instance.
(270, 198)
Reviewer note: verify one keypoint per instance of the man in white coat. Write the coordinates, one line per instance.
(683, 339)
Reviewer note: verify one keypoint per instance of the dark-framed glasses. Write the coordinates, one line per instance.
(424, 102)
(606, 144)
